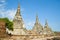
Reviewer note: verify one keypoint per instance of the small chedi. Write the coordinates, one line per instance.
(21, 33)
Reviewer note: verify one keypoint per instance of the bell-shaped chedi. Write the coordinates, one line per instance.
(47, 29)
(18, 23)
(37, 26)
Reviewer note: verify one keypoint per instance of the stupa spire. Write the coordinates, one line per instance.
(37, 26)
(18, 23)
(18, 10)
(37, 20)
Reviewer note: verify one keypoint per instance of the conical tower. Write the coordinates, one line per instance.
(37, 26)
(18, 23)
(37, 20)
(47, 29)
(18, 18)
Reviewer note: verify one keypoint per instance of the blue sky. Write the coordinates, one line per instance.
(46, 9)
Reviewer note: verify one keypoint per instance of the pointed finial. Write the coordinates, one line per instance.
(18, 10)
(37, 17)
(18, 5)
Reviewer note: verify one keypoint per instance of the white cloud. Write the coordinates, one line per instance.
(8, 13)
(2, 1)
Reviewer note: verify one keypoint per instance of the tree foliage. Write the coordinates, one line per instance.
(9, 24)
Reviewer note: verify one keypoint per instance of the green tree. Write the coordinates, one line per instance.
(9, 24)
